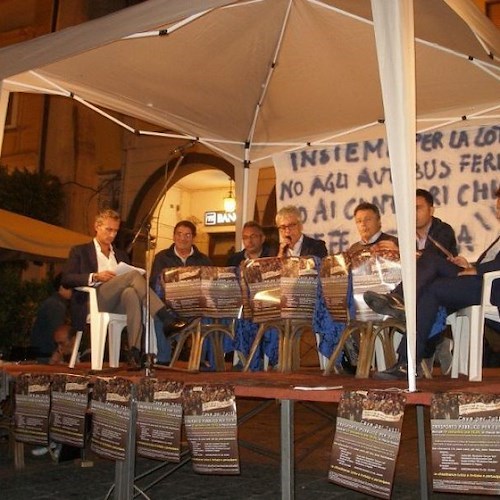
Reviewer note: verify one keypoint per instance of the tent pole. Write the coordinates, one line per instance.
(395, 40)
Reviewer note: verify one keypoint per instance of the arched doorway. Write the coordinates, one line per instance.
(194, 185)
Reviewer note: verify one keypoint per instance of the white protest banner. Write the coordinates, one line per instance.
(459, 167)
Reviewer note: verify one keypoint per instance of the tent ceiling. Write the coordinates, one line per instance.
(311, 64)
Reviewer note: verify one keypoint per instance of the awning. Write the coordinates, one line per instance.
(25, 238)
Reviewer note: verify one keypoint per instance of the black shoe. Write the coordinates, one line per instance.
(134, 359)
(398, 372)
(175, 327)
(385, 303)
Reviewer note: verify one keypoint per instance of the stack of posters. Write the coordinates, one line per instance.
(211, 427)
(375, 270)
(281, 288)
(208, 291)
(366, 441)
(159, 419)
(111, 413)
(465, 432)
(68, 412)
(334, 276)
(31, 415)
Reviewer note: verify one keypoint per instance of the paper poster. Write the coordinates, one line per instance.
(208, 291)
(159, 419)
(465, 431)
(366, 441)
(211, 428)
(111, 413)
(68, 412)
(31, 415)
(374, 270)
(334, 276)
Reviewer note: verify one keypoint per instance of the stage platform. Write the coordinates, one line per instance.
(306, 385)
(276, 385)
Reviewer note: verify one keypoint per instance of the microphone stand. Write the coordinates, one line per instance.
(145, 227)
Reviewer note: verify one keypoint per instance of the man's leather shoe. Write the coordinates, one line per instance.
(134, 359)
(175, 327)
(398, 372)
(385, 303)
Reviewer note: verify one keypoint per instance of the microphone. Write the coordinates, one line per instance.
(181, 149)
(286, 246)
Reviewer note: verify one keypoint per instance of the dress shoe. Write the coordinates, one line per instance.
(397, 372)
(134, 359)
(385, 303)
(175, 327)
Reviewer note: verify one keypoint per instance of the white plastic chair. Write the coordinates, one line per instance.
(100, 324)
(467, 326)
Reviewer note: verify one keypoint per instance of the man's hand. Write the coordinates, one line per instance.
(461, 262)
(470, 271)
(104, 276)
(385, 245)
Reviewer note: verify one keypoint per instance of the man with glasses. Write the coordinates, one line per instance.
(293, 242)
(254, 243)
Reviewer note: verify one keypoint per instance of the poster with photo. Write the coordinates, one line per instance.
(68, 411)
(211, 428)
(366, 442)
(31, 414)
(159, 419)
(334, 277)
(209, 291)
(299, 287)
(111, 413)
(465, 434)
(263, 279)
(373, 270)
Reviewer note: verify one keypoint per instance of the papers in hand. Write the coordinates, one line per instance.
(123, 268)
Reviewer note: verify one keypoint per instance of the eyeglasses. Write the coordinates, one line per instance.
(291, 227)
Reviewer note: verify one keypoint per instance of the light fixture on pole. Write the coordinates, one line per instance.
(229, 200)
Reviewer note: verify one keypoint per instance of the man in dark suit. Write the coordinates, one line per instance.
(254, 242)
(436, 237)
(94, 264)
(292, 241)
(369, 224)
(453, 283)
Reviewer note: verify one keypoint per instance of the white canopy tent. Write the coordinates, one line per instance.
(252, 78)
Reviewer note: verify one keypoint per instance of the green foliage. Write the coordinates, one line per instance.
(34, 194)
(19, 302)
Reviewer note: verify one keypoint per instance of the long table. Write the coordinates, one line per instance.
(284, 388)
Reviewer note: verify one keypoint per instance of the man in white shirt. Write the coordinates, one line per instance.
(94, 264)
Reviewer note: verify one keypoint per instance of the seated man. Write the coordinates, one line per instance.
(94, 264)
(254, 243)
(64, 339)
(292, 241)
(433, 236)
(451, 283)
(52, 313)
(182, 252)
(369, 224)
